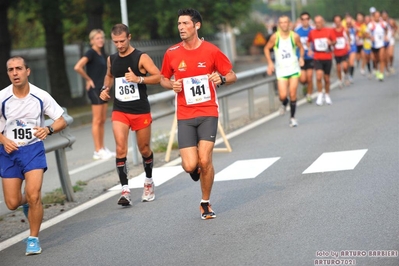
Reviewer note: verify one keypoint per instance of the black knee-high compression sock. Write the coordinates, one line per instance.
(369, 67)
(351, 70)
(148, 164)
(122, 170)
(293, 107)
(285, 101)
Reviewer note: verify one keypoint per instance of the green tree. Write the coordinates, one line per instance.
(5, 43)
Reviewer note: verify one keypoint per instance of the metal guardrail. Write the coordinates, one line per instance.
(162, 104)
(59, 143)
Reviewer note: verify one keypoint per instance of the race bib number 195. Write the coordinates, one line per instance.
(196, 89)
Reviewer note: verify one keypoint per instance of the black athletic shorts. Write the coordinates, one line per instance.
(376, 50)
(340, 59)
(359, 48)
(94, 96)
(191, 131)
(324, 65)
(308, 64)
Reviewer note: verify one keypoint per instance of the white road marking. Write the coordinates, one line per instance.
(164, 174)
(245, 169)
(336, 161)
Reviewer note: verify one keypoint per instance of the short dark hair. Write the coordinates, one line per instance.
(337, 16)
(194, 14)
(360, 13)
(120, 28)
(305, 13)
(18, 57)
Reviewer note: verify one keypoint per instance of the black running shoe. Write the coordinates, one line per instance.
(206, 211)
(195, 175)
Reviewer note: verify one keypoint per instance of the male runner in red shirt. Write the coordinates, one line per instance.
(198, 67)
(341, 49)
(321, 39)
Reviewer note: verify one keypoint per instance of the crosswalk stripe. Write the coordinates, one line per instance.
(245, 169)
(336, 161)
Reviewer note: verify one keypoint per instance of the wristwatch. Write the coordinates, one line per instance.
(223, 78)
(51, 130)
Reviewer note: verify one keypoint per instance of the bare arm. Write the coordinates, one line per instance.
(266, 50)
(149, 67)
(79, 67)
(108, 81)
(301, 50)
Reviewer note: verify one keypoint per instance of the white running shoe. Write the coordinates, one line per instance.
(293, 122)
(112, 153)
(362, 71)
(350, 78)
(101, 155)
(319, 100)
(328, 99)
(124, 199)
(282, 109)
(148, 192)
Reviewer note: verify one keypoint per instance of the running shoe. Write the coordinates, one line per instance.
(112, 153)
(362, 71)
(101, 155)
(282, 109)
(328, 99)
(293, 122)
(319, 100)
(350, 78)
(148, 192)
(32, 246)
(381, 77)
(124, 199)
(309, 98)
(196, 174)
(206, 211)
(392, 70)
(25, 209)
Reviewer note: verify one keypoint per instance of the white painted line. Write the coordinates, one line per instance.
(161, 175)
(18, 238)
(336, 161)
(245, 169)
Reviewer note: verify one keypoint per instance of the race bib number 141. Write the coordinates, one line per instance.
(196, 89)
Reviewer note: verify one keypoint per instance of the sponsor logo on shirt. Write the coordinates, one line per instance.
(20, 123)
(182, 66)
(201, 64)
(195, 81)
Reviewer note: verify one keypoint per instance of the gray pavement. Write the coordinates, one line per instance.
(279, 217)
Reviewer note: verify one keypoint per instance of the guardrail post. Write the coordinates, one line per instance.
(225, 110)
(63, 173)
(272, 86)
(135, 156)
(251, 103)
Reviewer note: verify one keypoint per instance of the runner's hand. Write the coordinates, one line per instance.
(215, 78)
(104, 95)
(9, 146)
(131, 77)
(270, 69)
(89, 84)
(177, 85)
(40, 132)
(310, 53)
(301, 62)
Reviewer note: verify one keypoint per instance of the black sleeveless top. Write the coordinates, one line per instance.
(119, 66)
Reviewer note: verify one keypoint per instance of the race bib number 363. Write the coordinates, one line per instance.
(196, 89)
(126, 91)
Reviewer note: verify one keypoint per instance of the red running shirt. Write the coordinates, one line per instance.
(318, 39)
(341, 46)
(198, 96)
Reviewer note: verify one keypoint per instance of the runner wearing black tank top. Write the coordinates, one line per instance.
(127, 71)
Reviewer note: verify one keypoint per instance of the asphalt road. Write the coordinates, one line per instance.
(278, 216)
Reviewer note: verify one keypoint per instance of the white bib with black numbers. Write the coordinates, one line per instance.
(126, 91)
(196, 89)
(304, 41)
(340, 43)
(21, 131)
(321, 44)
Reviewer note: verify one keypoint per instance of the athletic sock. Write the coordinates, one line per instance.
(351, 70)
(148, 180)
(148, 164)
(122, 170)
(204, 201)
(369, 67)
(285, 101)
(293, 107)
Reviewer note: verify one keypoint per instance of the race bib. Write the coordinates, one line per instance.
(126, 91)
(321, 44)
(353, 40)
(304, 41)
(21, 132)
(340, 43)
(196, 89)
